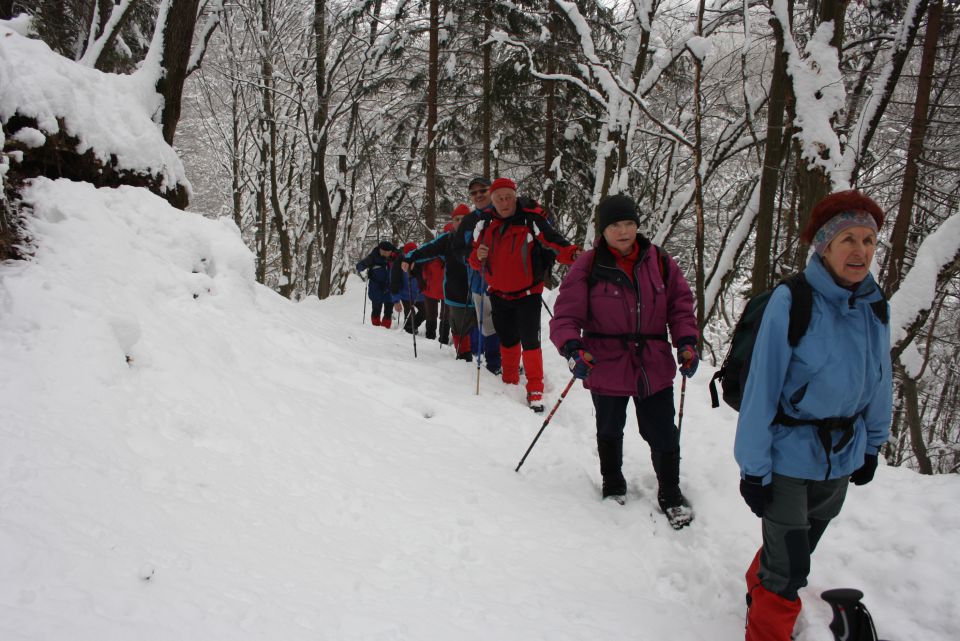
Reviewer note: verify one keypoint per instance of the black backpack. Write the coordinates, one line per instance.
(736, 365)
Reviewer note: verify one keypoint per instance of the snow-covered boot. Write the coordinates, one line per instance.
(510, 360)
(386, 322)
(535, 401)
(669, 497)
(375, 320)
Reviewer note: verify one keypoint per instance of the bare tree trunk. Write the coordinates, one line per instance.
(774, 151)
(319, 192)
(908, 386)
(487, 88)
(918, 131)
(698, 175)
(549, 124)
(177, 42)
(433, 71)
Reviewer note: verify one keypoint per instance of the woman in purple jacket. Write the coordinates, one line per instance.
(610, 321)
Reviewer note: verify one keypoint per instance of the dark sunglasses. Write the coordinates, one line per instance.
(477, 192)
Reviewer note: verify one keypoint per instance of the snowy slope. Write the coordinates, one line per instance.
(185, 455)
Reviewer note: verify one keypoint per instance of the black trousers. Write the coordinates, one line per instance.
(517, 320)
(416, 316)
(655, 420)
(654, 417)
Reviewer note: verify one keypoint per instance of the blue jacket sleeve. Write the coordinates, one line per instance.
(761, 397)
(879, 410)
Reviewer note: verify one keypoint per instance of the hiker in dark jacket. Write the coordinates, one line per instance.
(506, 250)
(456, 289)
(610, 321)
(377, 265)
(794, 472)
(479, 190)
(406, 289)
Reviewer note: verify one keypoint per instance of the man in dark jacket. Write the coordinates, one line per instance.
(377, 265)
(508, 249)
(456, 289)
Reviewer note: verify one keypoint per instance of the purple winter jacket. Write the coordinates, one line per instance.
(596, 297)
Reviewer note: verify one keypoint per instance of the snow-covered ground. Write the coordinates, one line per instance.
(185, 455)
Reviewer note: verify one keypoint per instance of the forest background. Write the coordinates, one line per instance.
(323, 126)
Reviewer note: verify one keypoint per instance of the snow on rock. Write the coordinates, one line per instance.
(109, 114)
(29, 137)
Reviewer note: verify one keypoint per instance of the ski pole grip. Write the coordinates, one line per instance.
(850, 620)
(842, 596)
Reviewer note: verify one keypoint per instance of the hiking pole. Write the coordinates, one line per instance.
(545, 307)
(683, 395)
(413, 318)
(366, 294)
(480, 350)
(544, 426)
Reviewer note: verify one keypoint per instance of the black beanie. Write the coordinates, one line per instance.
(386, 246)
(613, 209)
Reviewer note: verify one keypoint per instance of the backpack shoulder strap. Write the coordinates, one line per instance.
(662, 263)
(881, 309)
(801, 307)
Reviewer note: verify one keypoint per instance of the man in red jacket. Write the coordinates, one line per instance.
(509, 248)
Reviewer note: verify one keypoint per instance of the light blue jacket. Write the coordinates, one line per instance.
(840, 368)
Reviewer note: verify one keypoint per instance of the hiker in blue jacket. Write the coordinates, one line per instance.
(377, 264)
(406, 289)
(814, 417)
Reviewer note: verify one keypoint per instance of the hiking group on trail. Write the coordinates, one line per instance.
(809, 366)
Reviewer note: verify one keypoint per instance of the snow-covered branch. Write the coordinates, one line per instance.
(909, 306)
(97, 44)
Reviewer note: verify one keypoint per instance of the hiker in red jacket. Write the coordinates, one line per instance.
(510, 247)
(433, 273)
(610, 321)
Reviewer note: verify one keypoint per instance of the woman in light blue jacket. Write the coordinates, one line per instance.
(813, 417)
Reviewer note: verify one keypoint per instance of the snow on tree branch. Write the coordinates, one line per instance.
(819, 92)
(96, 44)
(213, 20)
(910, 304)
(869, 114)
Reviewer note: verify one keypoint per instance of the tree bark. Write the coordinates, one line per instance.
(177, 42)
(918, 131)
(549, 117)
(908, 386)
(433, 72)
(487, 88)
(698, 177)
(774, 151)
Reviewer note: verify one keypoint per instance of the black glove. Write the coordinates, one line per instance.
(864, 474)
(755, 494)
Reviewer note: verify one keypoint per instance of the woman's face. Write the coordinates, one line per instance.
(849, 255)
(621, 235)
